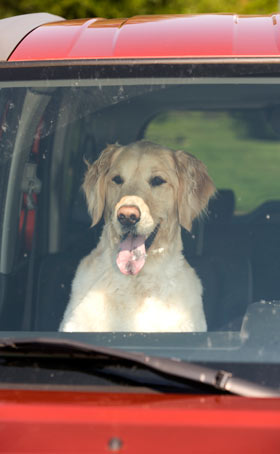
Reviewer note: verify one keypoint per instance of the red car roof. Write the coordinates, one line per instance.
(209, 35)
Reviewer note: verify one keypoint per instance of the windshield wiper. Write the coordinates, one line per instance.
(171, 368)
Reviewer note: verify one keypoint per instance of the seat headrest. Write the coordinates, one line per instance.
(221, 207)
(79, 210)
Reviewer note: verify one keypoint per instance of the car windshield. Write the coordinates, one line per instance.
(53, 127)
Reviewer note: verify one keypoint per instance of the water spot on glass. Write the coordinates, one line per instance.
(244, 335)
(209, 342)
(202, 377)
(267, 216)
(4, 127)
(174, 358)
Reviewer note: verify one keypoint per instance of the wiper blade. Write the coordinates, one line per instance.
(172, 368)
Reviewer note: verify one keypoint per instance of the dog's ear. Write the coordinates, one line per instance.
(195, 187)
(94, 183)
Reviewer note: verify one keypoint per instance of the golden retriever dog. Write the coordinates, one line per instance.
(137, 278)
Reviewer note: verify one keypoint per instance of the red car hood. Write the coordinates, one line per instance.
(55, 421)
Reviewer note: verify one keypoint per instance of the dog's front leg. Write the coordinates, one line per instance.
(87, 315)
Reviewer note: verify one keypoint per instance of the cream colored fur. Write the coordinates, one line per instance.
(166, 295)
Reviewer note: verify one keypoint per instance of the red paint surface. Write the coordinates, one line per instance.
(52, 421)
(154, 36)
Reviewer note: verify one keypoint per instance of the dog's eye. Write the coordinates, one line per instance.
(156, 181)
(117, 179)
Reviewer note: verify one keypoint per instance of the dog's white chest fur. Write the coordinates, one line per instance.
(165, 298)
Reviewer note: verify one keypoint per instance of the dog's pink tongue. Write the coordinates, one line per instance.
(132, 254)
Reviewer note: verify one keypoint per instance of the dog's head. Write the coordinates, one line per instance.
(145, 191)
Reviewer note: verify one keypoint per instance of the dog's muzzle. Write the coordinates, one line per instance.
(132, 255)
(149, 241)
(132, 251)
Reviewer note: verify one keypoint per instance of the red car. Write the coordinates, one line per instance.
(206, 84)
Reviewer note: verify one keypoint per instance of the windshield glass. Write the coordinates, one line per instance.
(173, 183)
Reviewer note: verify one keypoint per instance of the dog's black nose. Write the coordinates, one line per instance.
(128, 215)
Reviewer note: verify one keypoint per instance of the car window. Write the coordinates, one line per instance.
(52, 131)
